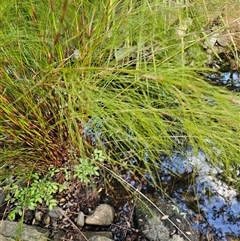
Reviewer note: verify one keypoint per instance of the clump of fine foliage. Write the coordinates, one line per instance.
(123, 76)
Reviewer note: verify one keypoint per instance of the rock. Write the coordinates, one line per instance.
(28, 216)
(80, 219)
(3, 238)
(176, 238)
(38, 216)
(45, 220)
(55, 212)
(103, 215)
(224, 40)
(92, 235)
(28, 233)
(155, 226)
(154, 229)
(99, 238)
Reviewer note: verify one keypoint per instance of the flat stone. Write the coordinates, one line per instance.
(3, 238)
(105, 235)
(102, 216)
(29, 233)
(99, 238)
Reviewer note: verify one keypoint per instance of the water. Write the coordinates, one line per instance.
(231, 79)
(195, 185)
(213, 206)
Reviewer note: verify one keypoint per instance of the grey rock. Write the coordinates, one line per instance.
(103, 215)
(154, 229)
(106, 236)
(80, 219)
(55, 212)
(99, 238)
(28, 233)
(155, 226)
(176, 238)
(3, 238)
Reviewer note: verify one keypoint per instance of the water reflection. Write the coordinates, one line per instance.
(212, 205)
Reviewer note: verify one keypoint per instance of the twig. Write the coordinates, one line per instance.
(154, 205)
(73, 224)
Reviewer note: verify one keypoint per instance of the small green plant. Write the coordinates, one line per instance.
(87, 166)
(40, 190)
(176, 208)
(43, 189)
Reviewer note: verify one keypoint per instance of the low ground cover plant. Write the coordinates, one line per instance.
(30, 191)
(123, 77)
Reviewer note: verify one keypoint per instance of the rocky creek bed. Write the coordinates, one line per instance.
(81, 216)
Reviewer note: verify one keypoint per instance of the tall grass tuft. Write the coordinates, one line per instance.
(123, 76)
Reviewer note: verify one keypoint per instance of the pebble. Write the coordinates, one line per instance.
(223, 40)
(38, 216)
(102, 216)
(45, 219)
(99, 238)
(80, 219)
(62, 200)
(55, 213)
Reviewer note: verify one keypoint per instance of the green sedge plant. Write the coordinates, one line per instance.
(120, 76)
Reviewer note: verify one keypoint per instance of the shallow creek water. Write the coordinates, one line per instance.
(196, 186)
(231, 79)
(199, 191)
(212, 206)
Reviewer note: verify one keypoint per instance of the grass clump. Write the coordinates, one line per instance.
(121, 76)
